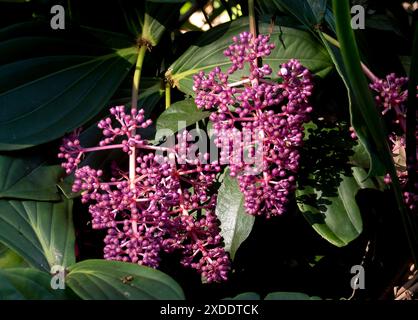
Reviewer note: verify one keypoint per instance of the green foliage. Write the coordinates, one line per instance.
(180, 115)
(28, 284)
(309, 12)
(52, 82)
(9, 258)
(28, 177)
(40, 232)
(103, 280)
(274, 296)
(61, 89)
(290, 296)
(364, 115)
(207, 53)
(236, 225)
(328, 184)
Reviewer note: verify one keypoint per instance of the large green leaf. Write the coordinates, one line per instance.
(114, 280)
(61, 101)
(28, 284)
(236, 224)
(57, 85)
(375, 164)
(150, 94)
(207, 53)
(149, 20)
(328, 184)
(27, 177)
(309, 12)
(336, 218)
(180, 115)
(10, 259)
(290, 296)
(245, 296)
(151, 90)
(366, 114)
(274, 296)
(365, 117)
(41, 232)
(157, 18)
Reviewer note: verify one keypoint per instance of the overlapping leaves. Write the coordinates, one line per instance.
(207, 53)
(60, 85)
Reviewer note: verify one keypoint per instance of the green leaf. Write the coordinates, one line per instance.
(28, 177)
(151, 94)
(41, 232)
(327, 183)
(157, 18)
(336, 218)
(367, 117)
(383, 22)
(309, 12)
(10, 259)
(245, 296)
(148, 20)
(167, 1)
(207, 53)
(28, 284)
(376, 166)
(274, 296)
(290, 296)
(180, 115)
(406, 63)
(114, 280)
(64, 83)
(236, 224)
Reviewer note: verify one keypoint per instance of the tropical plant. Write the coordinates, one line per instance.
(268, 145)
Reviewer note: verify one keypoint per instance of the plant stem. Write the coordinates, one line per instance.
(137, 75)
(365, 69)
(251, 16)
(111, 146)
(167, 94)
(134, 104)
(351, 59)
(238, 83)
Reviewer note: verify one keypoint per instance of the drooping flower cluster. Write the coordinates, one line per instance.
(391, 96)
(258, 122)
(166, 204)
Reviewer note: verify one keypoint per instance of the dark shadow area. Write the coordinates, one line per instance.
(324, 161)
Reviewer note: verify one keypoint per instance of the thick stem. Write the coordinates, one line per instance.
(167, 94)
(134, 104)
(238, 83)
(137, 75)
(368, 73)
(365, 69)
(251, 16)
(111, 146)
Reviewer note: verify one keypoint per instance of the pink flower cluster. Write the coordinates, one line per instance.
(166, 205)
(266, 117)
(391, 95)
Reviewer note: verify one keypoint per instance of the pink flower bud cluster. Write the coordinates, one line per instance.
(272, 111)
(391, 95)
(168, 205)
(390, 92)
